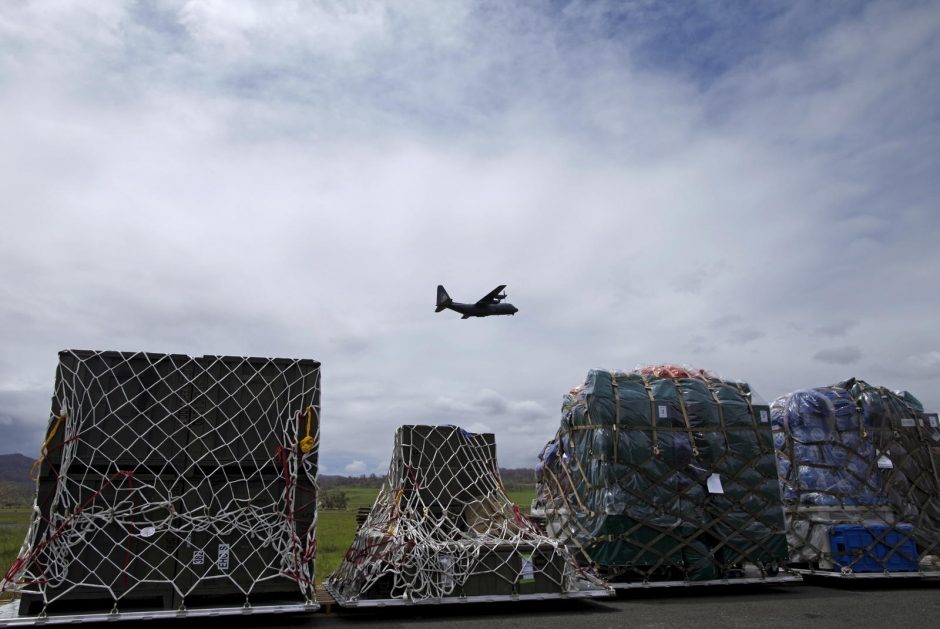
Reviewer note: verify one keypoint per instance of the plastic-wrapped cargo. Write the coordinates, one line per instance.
(442, 530)
(859, 470)
(664, 475)
(173, 485)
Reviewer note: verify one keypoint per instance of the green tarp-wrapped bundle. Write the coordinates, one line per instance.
(664, 474)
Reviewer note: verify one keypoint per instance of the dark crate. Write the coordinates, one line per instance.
(236, 557)
(446, 466)
(244, 407)
(547, 570)
(495, 573)
(131, 409)
(120, 557)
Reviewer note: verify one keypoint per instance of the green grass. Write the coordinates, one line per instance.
(522, 497)
(336, 529)
(13, 525)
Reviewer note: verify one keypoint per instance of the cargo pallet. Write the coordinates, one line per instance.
(643, 585)
(849, 575)
(9, 616)
(464, 600)
(146, 445)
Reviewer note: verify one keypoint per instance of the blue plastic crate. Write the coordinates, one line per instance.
(855, 546)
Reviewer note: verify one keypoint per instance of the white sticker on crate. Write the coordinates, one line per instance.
(908, 422)
(199, 557)
(528, 569)
(663, 411)
(222, 561)
(763, 417)
(933, 420)
(447, 571)
(714, 484)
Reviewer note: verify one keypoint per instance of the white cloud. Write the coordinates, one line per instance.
(296, 178)
(356, 467)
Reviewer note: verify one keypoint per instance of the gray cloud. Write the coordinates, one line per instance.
(742, 336)
(839, 355)
(835, 328)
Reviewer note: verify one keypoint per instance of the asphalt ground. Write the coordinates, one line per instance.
(902, 604)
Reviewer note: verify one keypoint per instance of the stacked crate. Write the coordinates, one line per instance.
(443, 530)
(172, 482)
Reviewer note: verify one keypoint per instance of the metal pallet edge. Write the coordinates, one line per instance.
(643, 585)
(9, 617)
(837, 574)
(464, 600)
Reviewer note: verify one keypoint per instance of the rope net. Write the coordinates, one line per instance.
(442, 526)
(167, 481)
(859, 472)
(664, 474)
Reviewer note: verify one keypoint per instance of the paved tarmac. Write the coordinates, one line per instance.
(899, 605)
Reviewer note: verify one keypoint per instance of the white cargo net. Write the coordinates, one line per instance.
(167, 480)
(442, 527)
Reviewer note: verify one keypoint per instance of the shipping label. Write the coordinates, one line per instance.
(199, 557)
(528, 569)
(714, 484)
(222, 561)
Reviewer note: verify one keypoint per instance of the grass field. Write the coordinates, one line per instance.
(335, 530)
(13, 525)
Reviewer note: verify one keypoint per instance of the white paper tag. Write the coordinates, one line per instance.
(222, 560)
(714, 484)
(447, 571)
(528, 569)
(932, 419)
(199, 557)
(908, 422)
(663, 411)
(885, 463)
(763, 417)
(147, 531)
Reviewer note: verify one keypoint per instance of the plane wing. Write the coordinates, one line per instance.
(490, 297)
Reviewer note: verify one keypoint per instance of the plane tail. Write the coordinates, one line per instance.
(443, 299)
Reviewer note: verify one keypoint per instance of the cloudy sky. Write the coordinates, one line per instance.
(751, 188)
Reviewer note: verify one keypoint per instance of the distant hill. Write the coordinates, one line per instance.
(512, 478)
(15, 467)
(16, 488)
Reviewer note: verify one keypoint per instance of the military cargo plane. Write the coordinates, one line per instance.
(488, 306)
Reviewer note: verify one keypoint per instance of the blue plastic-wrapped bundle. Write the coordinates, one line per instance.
(853, 454)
